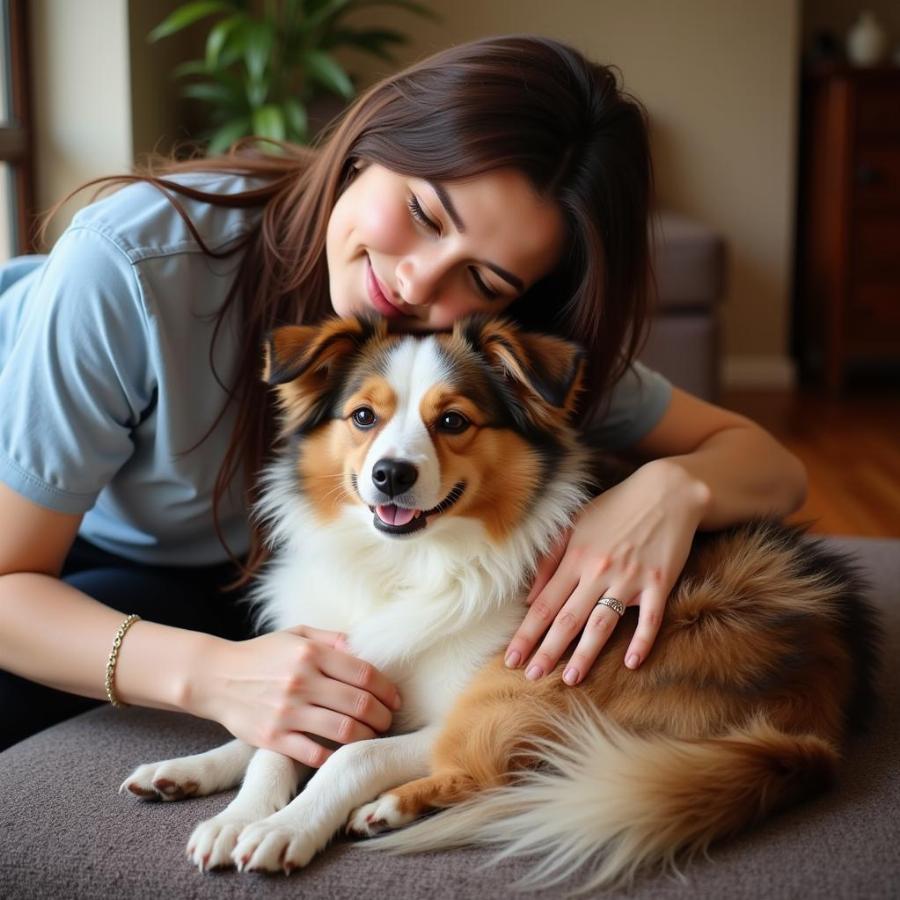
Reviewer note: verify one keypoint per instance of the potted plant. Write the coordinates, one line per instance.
(264, 65)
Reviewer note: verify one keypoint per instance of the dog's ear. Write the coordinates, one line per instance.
(305, 364)
(543, 372)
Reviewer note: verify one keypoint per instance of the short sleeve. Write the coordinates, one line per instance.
(636, 404)
(76, 380)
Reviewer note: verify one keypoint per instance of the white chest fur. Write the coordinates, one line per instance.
(428, 614)
(429, 610)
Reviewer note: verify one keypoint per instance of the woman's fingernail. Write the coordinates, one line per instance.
(632, 660)
(513, 658)
(570, 676)
(397, 702)
(534, 672)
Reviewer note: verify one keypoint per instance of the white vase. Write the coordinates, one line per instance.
(866, 41)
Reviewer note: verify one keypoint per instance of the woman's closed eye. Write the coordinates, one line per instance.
(419, 214)
(483, 286)
(415, 209)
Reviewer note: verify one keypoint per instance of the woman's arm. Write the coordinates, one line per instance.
(267, 690)
(704, 467)
(746, 473)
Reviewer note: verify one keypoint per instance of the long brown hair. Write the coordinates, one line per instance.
(522, 102)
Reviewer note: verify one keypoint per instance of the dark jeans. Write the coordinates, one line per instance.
(186, 597)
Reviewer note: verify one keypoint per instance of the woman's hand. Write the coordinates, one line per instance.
(271, 689)
(629, 543)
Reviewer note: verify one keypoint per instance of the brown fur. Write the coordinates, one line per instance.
(740, 710)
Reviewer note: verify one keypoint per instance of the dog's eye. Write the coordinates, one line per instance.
(363, 417)
(453, 423)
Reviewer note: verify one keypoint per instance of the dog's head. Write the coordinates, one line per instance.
(421, 429)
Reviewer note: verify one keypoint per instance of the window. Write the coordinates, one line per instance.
(16, 191)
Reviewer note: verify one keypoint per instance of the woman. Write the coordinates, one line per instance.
(509, 176)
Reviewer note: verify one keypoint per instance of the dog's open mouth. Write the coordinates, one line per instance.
(393, 519)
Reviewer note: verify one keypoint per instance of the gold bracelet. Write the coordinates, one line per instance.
(114, 658)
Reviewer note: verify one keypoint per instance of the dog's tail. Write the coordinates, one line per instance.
(620, 801)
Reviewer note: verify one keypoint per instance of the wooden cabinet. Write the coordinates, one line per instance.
(848, 275)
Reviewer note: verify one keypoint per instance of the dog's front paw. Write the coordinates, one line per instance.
(211, 843)
(269, 846)
(173, 779)
(378, 816)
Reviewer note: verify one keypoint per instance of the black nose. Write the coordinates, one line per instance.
(394, 476)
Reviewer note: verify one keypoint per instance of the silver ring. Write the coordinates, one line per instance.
(617, 606)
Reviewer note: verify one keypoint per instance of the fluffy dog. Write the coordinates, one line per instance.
(418, 482)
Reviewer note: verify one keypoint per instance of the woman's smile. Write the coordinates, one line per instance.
(379, 296)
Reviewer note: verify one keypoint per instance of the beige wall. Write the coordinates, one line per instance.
(157, 112)
(82, 99)
(103, 96)
(719, 80)
(6, 237)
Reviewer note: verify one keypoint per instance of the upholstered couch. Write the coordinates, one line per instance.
(65, 833)
(683, 341)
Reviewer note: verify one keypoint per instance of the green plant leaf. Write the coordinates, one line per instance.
(256, 93)
(191, 67)
(296, 118)
(313, 7)
(370, 40)
(268, 122)
(187, 15)
(331, 9)
(217, 38)
(213, 92)
(223, 137)
(323, 69)
(236, 44)
(258, 50)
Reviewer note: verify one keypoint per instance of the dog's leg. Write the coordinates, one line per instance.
(269, 785)
(401, 805)
(191, 776)
(487, 737)
(353, 774)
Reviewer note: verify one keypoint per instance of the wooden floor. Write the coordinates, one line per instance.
(851, 448)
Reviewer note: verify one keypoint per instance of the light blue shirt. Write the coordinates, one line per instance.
(106, 387)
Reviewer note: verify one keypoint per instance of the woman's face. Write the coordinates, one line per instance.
(428, 253)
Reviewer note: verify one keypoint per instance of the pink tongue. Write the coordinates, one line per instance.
(394, 515)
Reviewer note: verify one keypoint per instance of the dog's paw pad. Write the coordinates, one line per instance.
(174, 779)
(139, 791)
(380, 815)
(140, 782)
(171, 790)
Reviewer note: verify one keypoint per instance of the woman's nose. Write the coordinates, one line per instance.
(418, 278)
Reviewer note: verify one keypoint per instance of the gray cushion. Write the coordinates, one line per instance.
(689, 263)
(66, 833)
(683, 341)
(685, 348)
